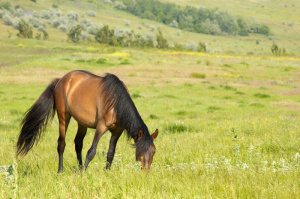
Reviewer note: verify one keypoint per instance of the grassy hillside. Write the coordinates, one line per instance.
(271, 14)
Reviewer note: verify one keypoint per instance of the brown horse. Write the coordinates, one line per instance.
(102, 103)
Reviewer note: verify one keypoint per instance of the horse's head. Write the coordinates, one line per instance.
(146, 157)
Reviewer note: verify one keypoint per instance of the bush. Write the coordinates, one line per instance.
(25, 31)
(91, 13)
(277, 51)
(120, 5)
(174, 24)
(198, 75)
(5, 5)
(127, 22)
(105, 35)
(36, 14)
(74, 34)
(73, 16)
(210, 27)
(93, 28)
(161, 41)
(19, 12)
(84, 35)
(201, 47)
(191, 47)
(35, 22)
(7, 19)
(38, 36)
(265, 30)
(45, 35)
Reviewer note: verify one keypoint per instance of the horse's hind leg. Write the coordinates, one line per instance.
(81, 132)
(115, 134)
(64, 120)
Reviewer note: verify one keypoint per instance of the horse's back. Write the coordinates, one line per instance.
(79, 94)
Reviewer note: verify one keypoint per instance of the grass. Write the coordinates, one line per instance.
(236, 135)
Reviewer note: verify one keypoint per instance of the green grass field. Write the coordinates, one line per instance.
(228, 122)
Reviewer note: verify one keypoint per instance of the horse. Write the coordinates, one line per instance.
(101, 103)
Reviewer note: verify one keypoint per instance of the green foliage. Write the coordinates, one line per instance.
(200, 20)
(201, 47)
(261, 95)
(277, 51)
(105, 36)
(265, 30)
(74, 35)
(198, 75)
(38, 35)
(45, 35)
(5, 5)
(161, 41)
(129, 39)
(25, 31)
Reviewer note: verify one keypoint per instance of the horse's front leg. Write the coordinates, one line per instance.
(100, 130)
(115, 134)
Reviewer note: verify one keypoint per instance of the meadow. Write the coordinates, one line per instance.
(228, 125)
(228, 122)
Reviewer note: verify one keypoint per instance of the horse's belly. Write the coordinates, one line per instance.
(84, 117)
(83, 108)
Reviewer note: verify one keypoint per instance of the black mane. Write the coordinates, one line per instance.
(128, 117)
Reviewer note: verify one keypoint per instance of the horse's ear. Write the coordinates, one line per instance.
(154, 135)
(140, 135)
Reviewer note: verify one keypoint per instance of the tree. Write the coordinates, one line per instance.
(105, 35)
(74, 34)
(201, 47)
(161, 41)
(25, 31)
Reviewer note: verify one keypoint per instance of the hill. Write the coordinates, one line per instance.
(277, 16)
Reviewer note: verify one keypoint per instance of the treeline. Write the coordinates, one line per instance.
(106, 35)
(200, 20)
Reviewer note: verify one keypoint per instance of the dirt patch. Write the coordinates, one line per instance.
(291, 92)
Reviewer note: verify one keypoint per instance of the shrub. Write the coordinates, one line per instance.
(265, 30)
(105, 35)
(35, 22)
(243, 32)
(45, 35)
(19, 12)
(45, 14)
(91, 13)
(5, 5)
(161, 41)
(277, 51)
(201, 47)
(261, 95)
(7, 19)
(25, 31)
(74, 34)
(38, 36)
(127, 22)
(62, 27)
(36, 14)
(120, 5)
(198, 75)
(93, 28)
(174, 24)
(211, 27)
(73, 16)
(191, 46)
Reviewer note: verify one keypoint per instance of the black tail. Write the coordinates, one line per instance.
(36, 120)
